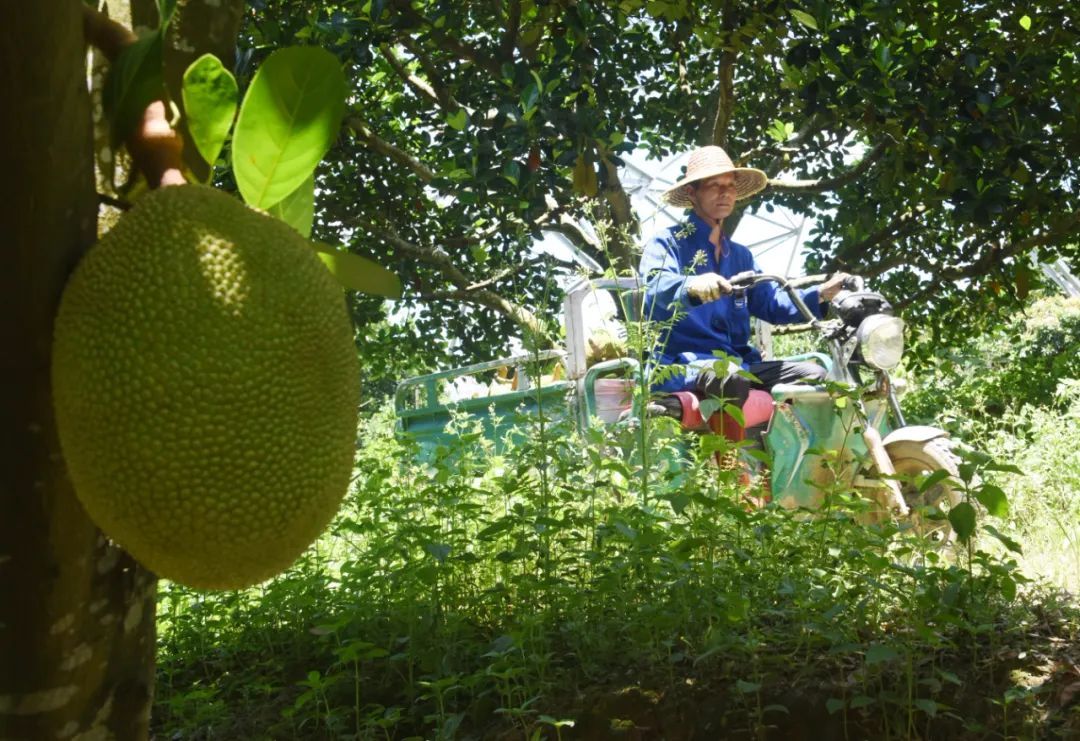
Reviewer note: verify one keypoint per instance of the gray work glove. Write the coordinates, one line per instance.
(707, 287)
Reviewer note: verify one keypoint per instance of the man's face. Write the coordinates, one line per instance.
(714, 198)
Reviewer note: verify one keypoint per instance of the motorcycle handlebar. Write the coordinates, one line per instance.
(749, 279)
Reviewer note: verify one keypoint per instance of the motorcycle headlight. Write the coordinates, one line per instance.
(881, 341)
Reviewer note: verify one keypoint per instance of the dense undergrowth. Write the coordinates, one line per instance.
(562, 587)
(553, 592)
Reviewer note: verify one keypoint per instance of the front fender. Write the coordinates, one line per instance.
(914, 434)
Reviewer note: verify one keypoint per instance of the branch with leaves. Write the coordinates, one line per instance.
(466, 289)
(824, 185)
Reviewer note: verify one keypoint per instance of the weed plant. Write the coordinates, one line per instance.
(539, 593)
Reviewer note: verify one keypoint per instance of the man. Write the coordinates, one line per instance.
(688, 266)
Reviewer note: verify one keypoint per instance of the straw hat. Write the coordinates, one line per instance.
(707, 162)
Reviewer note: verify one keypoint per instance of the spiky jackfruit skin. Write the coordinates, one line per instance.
(205, 382)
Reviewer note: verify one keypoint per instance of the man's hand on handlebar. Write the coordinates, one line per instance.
(707, 287)
(828, 290)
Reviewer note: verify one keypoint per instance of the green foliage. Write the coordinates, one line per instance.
(135, 80)
(210, 98)
(1003, 370)
(290, 116)
(1044, 500)
(360, 273)
(298, 208)
(477, 594)
(473, 128)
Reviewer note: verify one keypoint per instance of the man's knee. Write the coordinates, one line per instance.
(734, 388)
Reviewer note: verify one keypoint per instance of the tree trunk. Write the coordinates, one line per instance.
(76, 613)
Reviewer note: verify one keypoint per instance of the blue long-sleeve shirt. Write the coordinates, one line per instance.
(683, 250)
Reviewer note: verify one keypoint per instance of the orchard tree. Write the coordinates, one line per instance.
(936, 144)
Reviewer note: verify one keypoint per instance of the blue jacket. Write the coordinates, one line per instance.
(724, 325)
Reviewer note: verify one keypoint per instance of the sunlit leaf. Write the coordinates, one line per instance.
(804, 18)
(1004, 539)
(458, 119)
(1025, 22)
(298, 208)
(210, 98)
(937, 476)
(994, 499)
(290, 116)
(359, 273)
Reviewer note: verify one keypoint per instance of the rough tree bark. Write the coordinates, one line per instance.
(76, 613)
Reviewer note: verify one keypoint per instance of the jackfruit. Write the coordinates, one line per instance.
(205, 384)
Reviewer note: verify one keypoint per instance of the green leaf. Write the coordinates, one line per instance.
(934, 478)
(359, 273)
(298, 208)
(166, 9)
(458, 119)
(1008, 588)
(747, 687)
(135, 80)
(833, 704)
(805, 18)
(1005, 540)
(994, 499)
(210, 97)
(1025, 22)
(290, 116)
(880, 653)
(927, 706)
(962, 519)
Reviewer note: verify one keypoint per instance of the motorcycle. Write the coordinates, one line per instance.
(849, 430)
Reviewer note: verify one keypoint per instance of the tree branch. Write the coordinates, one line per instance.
(725, 94)
(440, 95)
(509, 41)
(385, 148)
(725, 100)
(807, 132)
(467, 290)
(1065, 226)
(105, 34)
(444, 40)
(822, 185)
(902, 224)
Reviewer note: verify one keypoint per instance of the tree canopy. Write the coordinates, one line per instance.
(935, 143)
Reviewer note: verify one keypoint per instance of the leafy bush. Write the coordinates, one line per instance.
(1022, 363)
(1045, 498)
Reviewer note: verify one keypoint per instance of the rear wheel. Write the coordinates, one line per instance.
(930, 508)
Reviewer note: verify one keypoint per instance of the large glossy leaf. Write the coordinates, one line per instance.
(298, 208)
(359, 273)
(289, 118)
(210, 96)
